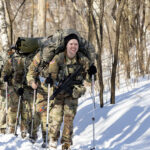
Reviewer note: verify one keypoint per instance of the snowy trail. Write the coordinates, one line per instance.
(123, 126)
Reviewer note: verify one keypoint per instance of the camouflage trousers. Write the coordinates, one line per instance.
(41, 110)
(26, 113)
(63, 108)
(12, 107)
(2, 109)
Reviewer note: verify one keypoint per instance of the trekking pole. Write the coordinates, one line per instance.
(6, 102)
(17, 118)
(93, 118)
(33, 112)
(47, 121)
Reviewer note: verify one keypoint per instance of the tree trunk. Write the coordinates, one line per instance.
(12, 18)
(100, 48)
(73, 17)
(32, 18)
(125, 46)
(90, 21)
(114, 66)
(102, 3)
(142, 39)
(3, 32)
(42, 18)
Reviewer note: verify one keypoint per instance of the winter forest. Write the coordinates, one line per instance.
(118, 29)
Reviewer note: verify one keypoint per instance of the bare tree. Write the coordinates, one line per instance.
(32, 17)
(3, 32)
(42, 17)
(99, 39)
(114, 66)
(90, 20)
(12, 17)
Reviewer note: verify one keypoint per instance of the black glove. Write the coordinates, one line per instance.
(49, 80)
(20, 91)
(92, 70)
(6, 78)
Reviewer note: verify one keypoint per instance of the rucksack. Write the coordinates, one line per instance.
(52, 45)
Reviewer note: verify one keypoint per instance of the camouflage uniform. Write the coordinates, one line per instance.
(65, 104)
(14, 68)
(38, 76)
(2, 102)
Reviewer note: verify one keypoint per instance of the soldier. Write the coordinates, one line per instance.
(14, 74)
(36, 78)
(65, 103)
(2, 102)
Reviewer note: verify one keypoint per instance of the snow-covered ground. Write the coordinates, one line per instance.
(122, 126)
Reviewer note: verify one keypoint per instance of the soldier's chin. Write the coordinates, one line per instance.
(73, 52)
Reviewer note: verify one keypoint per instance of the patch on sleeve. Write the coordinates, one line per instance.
(35, 62)
(52, 62)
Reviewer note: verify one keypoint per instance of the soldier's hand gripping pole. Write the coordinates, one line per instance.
(48, 81)
(20, 93)
(33, 113)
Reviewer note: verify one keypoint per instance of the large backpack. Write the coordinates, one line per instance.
(52, 45)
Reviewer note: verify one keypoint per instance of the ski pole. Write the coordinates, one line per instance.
(17, 118)
(33, 112)
(47, 121)
(6, 102)
(93, 118)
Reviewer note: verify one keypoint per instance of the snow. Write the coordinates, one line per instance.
(121, 126)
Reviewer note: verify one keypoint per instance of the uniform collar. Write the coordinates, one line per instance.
(71, 61)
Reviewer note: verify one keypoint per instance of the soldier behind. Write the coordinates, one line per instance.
(14, 74)
(36, 78)
(65, 103)
(2, 102)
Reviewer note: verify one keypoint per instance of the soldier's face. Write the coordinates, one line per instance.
(72, 48)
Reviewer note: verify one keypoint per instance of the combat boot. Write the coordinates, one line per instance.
(33, 138)
(2, 130)
(53, 144)
(23, 134)
(11, 130)
(66, 146)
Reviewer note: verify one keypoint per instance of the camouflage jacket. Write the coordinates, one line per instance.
(37, 73)
(60, 67)
(14, 68)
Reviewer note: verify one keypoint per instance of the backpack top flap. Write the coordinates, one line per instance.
(26, 45)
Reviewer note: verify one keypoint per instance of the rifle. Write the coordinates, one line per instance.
(67, 83)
